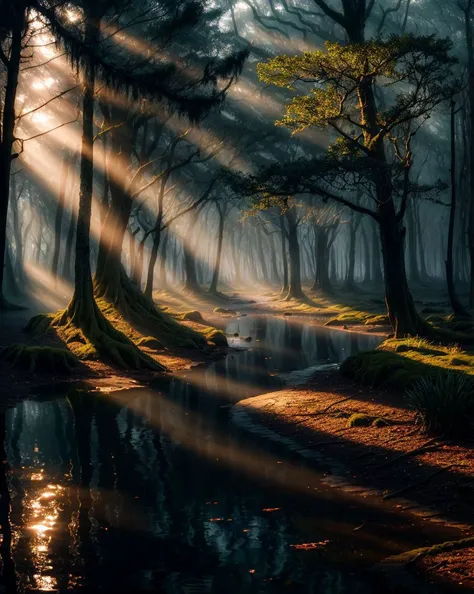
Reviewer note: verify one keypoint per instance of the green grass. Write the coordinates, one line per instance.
(401, 363)
(358, 318)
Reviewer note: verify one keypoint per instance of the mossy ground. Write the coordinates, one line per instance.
(34, 359)
(400, 363)
(178, 332)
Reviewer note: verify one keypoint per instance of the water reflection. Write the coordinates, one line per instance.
(154, 490)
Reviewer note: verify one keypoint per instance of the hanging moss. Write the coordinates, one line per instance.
(38, 359)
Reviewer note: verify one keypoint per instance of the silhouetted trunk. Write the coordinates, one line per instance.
(284, 257)
(467, 9)
(376, 273)
(235, 253)
(322, 258)
(412, 244)
(220, 239)
(353, 227)
(68, 264)
(261, 255)
(402, 313)
(456, 305)
(58, 221)
(365, 243)
(17, 21)
(294, 289)
(189, 260)
(163, 255)
(275, 275)
(83, 310)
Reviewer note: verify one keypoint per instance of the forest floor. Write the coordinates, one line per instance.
(382, 449)
(17, 382)
(371, 435)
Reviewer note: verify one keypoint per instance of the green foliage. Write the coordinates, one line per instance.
(444, 404)
(422, 64)
(38, 359)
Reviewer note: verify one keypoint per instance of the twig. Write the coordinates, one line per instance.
(382, 443)
(407, 454)
(321, 412)
(416, 483)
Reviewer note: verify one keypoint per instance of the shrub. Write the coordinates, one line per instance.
(444, 404)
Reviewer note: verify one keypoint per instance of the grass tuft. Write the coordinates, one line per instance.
(444, 404)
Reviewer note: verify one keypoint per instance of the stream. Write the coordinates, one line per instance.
(155, 490)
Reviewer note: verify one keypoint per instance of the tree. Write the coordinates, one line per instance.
(372, 146)
(189, 93)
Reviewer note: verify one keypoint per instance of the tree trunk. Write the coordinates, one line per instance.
(189, 248)
(18, 21)
(402, 313)
(220, 239)
(275, 275)
(261, 255)
(350, 274)
(294, 289)
(83, 310)
(17, 233)
(163, 255)
(470, 89)
(58, 221)
(322, 256)
(456, 305)
(284, 257)
(412, 245)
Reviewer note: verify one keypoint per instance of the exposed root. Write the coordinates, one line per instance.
(141, 313)
(90, 336)
(36, 358)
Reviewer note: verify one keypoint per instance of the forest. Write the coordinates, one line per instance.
(237, 234)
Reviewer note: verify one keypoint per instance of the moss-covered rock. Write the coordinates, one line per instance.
(359, 420)
(193, 316)
(223, 310)
(217, 338)
(35, 359)
(380, 422)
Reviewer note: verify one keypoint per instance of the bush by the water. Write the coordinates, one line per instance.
(444, 404)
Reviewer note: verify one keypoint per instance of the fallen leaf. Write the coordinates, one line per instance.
(307, 546)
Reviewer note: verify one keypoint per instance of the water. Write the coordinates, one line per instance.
(156, 491)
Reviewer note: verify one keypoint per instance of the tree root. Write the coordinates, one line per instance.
(428, 444)
(90, 336)
(38, 358)
(416, 484)
(140, 312)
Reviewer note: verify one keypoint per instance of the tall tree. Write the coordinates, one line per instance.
(373, 147)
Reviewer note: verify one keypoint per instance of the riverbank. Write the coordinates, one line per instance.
(19, 381)
(369, 444)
